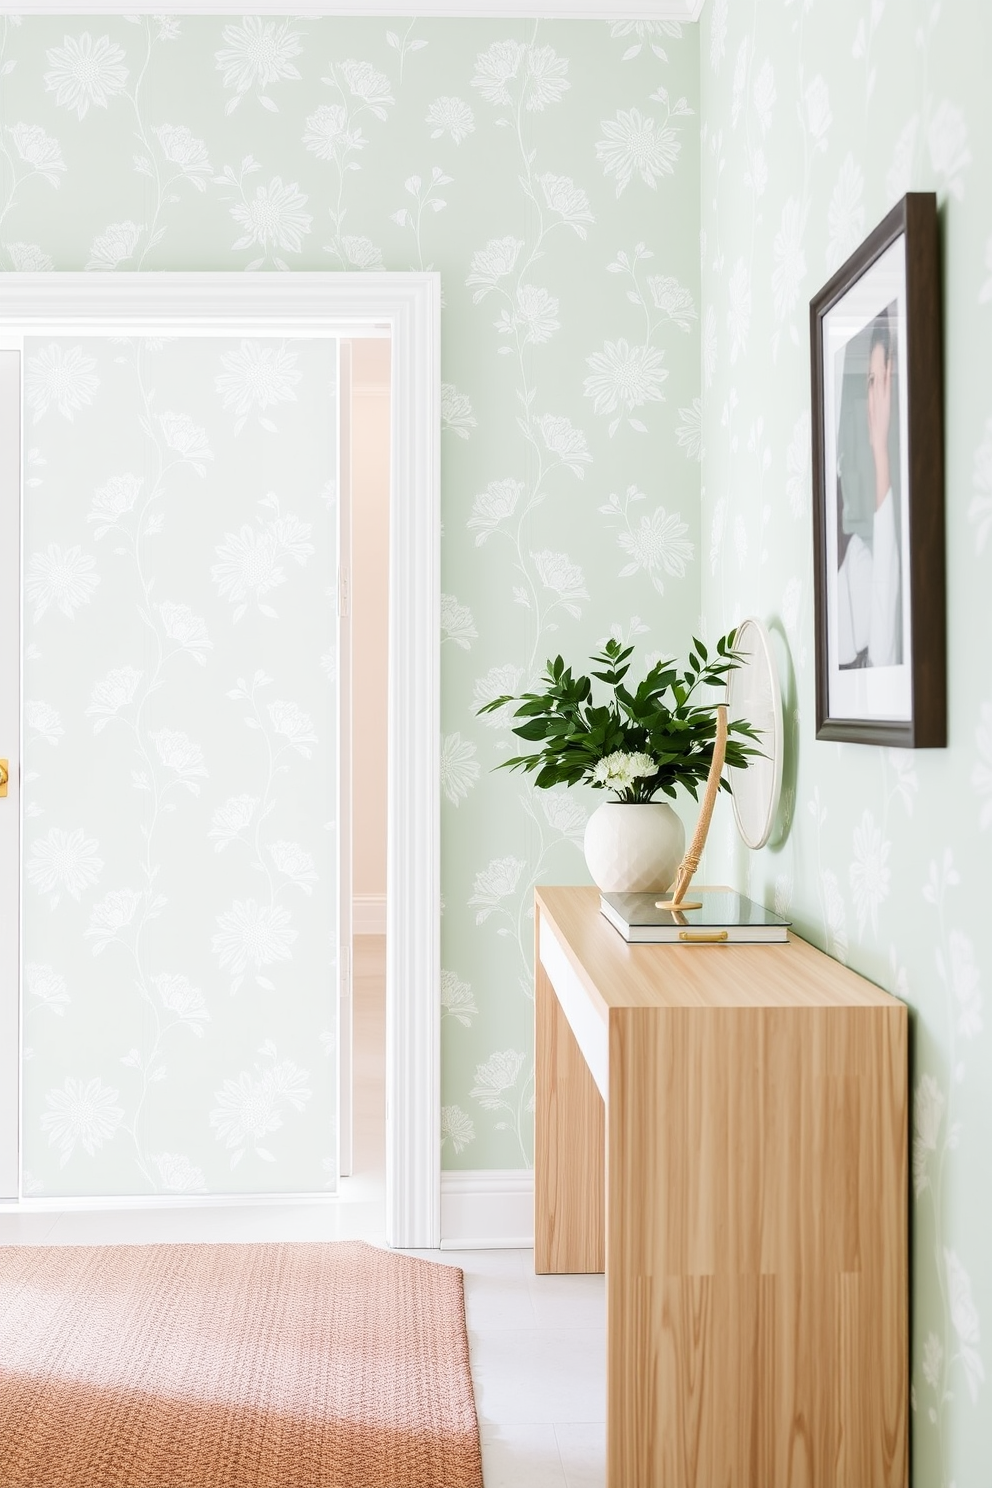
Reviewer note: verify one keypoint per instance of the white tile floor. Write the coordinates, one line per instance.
(538, 1343)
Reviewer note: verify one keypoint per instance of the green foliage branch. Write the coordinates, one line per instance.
(662, 718)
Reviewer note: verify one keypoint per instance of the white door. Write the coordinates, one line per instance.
(10, 734)
(179, 774)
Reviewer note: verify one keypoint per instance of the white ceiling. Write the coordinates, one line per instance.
(601, 10)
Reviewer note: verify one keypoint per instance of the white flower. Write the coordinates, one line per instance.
(965, 977)
(534, 312)
(29, 258)
(293, 724)
(456, 999)
(256, 377)
(258, 52)
(44, 720)
(179, 996)
(361, 253)
(569, 201)
(545, 78)
(456, 411)
(658, 546)
(456, 1128)
(495, 883)
(457, 623)
(63, 377)
(980, 506)
(739, 314)
(369, 85)
(709, 346)
(181, 148)
(964, 1316)
(253, 934)
(189, 631)
(947, 140)
(292, 860)
(564, 578)
(248, 565)
(619, 770)
(48, 986)
(797, 466)
(933, 1358)
(273, 216)
(499, 681)
(846, 213)
(763, 93)
(114, 913)
(689, 432)
(81, 1113)
(177, 752)
(718, 32)
(176, 1173)
(250, 1107)
(494, 69)
(84, 72)
(231, 819)
(450, 116)
(625, 376)
(981, 775)
(869, 872)
(818, 117)
(39, 150)
(113, 693)
(116, 245)
(674, 299)
(329, 133)
(634, 142)
(790, 260)
(189, 440)
(564, 814)
(113, 500)
(928, 1112)
(497, 1075)
(459, 768)
(497, 502)
(60, 577)
(561, 438)
(492, 263)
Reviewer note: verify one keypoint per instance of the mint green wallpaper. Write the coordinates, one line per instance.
(816, 118)
(550, 172)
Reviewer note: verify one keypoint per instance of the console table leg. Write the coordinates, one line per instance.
(569, 1145)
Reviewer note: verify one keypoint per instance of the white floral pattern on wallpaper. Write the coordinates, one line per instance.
(165, 975)
(550, 173)
(816, 119)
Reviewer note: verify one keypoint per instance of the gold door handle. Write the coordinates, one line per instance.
(4, 776)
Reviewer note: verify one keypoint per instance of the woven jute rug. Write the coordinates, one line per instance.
(233, 1366)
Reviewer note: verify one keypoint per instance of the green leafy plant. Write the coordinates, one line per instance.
(655, 738)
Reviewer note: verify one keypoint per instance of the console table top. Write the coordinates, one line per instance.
(619, 975)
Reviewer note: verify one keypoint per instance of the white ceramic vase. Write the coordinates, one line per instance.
(634, 848)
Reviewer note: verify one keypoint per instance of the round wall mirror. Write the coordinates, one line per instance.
(754, 696)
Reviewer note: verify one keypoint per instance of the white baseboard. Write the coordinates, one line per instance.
(368, 914)
(487, 1209)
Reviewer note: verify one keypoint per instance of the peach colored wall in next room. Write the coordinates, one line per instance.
(370, 600)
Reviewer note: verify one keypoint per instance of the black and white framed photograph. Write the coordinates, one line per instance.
(878, 494)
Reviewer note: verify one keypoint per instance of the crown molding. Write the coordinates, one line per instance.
(560, 10)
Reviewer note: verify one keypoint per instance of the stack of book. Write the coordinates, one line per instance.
(724, 918)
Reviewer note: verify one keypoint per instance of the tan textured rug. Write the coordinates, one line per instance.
(233, 1366)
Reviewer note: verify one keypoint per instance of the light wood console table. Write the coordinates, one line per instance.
(724, 1131)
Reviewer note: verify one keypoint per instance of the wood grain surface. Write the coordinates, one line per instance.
(756, 1208)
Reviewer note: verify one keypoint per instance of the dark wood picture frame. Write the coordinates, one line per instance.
(920, 505)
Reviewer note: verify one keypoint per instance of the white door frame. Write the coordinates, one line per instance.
(408, 306)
